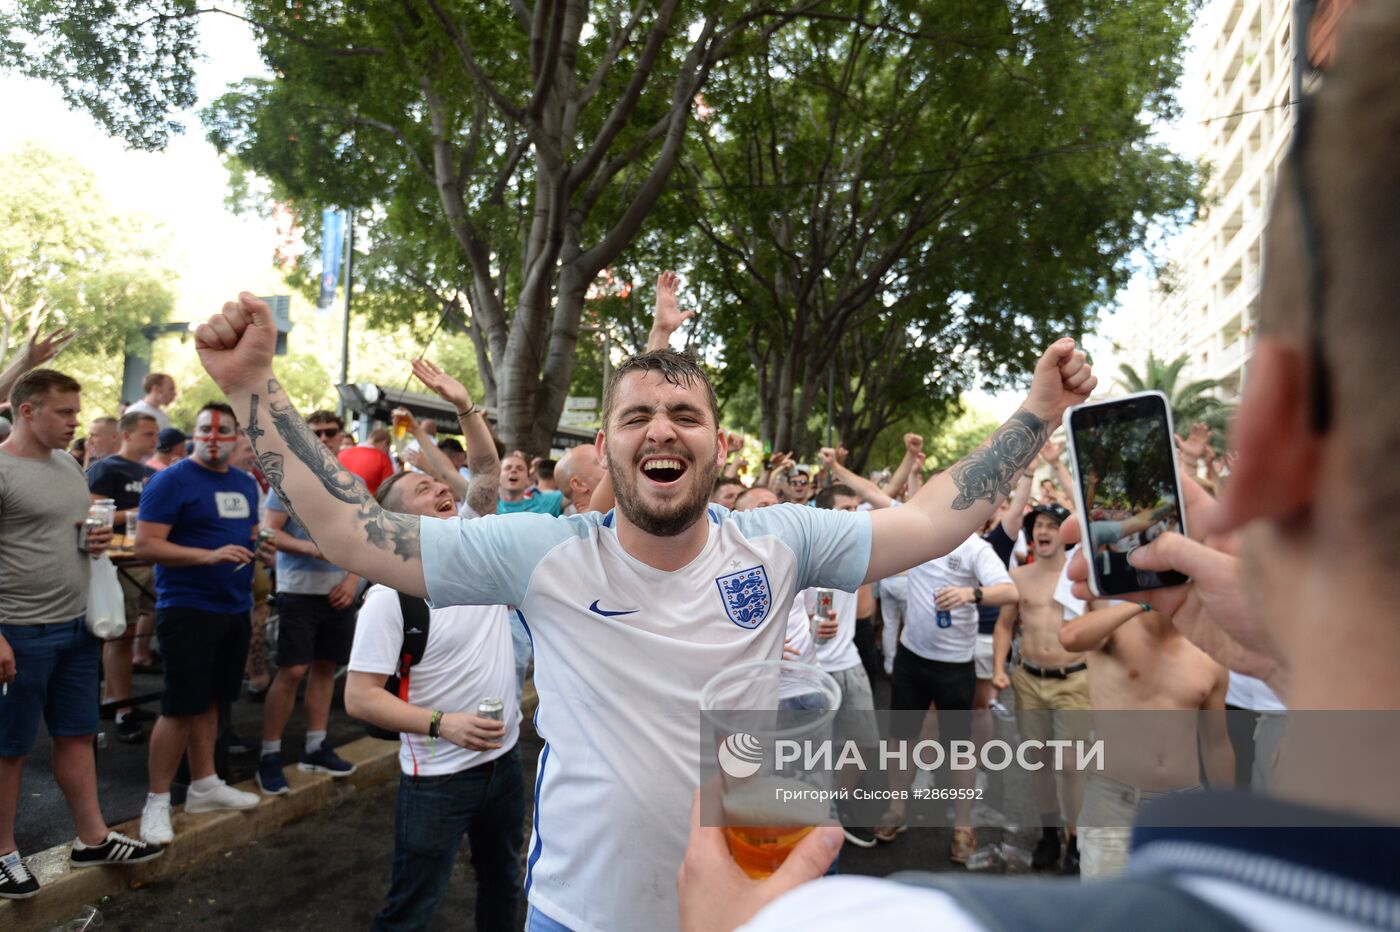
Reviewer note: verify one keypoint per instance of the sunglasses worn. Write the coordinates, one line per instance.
(327, 433)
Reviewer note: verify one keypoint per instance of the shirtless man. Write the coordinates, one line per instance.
(1139, 661)
(1049, 682)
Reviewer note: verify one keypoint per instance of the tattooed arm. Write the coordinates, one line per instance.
(329, 501)
(953, 504)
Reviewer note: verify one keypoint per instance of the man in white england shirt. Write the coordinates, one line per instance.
(461, 774)
(631, 612)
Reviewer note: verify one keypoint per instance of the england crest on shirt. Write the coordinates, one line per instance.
(746, 596)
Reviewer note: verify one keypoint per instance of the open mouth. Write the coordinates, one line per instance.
(664, 470)
(445, 505)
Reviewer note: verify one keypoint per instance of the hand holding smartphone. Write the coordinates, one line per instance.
(1126, 486)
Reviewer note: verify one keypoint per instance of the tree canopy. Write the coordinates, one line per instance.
(878, 203)
(68, 258)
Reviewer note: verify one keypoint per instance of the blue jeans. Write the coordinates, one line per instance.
(487, 804)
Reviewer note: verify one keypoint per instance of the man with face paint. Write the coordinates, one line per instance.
(316, 612)
(198, 524)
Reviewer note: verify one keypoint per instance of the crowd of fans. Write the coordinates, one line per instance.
(215, 546)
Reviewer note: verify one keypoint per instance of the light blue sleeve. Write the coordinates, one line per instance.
(489, 560)
(832, 547)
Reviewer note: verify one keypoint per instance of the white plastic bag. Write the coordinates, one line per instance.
(106, 606)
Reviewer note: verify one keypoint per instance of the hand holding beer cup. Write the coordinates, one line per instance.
(472, 732)
(764, 807)
(401, 421)
(717, 894)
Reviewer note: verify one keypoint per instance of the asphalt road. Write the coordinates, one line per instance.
(331, 871)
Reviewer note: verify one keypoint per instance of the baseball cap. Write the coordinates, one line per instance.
(169, 439)
(1058, 512)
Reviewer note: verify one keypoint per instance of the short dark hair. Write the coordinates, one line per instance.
(450, 445)
(826, 498)
(153, 380)
(545, 469)
(722, 481)
(386, 488)
(132, 419)
(325, 417)
(34, 386)
(103, 419)
(220, 406)
(677, 368)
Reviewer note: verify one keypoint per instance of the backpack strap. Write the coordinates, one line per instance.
(415, 638)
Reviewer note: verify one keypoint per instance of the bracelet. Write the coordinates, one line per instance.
(468, 413)
(435, 724)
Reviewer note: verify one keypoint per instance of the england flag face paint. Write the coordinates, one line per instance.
(215, 436)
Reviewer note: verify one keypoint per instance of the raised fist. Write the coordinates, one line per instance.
(913, 442)
(236, 345)
(1062, 379)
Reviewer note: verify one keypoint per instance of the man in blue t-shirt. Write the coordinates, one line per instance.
(515, 493)
(316, 626)
(198, 524)
(122, 477)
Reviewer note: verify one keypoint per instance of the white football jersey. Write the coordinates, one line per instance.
(973, 563)
(622, 652)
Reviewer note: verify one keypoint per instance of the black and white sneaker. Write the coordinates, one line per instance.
(117, 849)
(16, 883)
(859, 835)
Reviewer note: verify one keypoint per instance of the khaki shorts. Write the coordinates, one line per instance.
(855, 720)
(137, 601)
(1047, 707)
(1105, 823)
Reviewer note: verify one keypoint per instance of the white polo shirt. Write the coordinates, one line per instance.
(622, 652)
(973, 563)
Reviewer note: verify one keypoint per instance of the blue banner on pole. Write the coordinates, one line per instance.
(332, 236)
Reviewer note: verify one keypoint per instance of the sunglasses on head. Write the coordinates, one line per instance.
(326, 432)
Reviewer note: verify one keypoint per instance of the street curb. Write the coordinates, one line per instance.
(65, 890)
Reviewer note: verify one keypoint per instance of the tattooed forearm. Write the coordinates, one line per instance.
(383, 529)
(988, 473)
(390, 530)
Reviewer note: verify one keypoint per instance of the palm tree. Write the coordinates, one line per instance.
(1190, 403)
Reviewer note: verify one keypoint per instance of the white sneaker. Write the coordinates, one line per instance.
(155, 822)
(222, 796)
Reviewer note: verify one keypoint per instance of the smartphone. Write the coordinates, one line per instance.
(1126, 482)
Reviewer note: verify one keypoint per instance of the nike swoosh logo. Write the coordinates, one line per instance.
(607, 614)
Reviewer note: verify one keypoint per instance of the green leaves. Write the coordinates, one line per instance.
(129, 64)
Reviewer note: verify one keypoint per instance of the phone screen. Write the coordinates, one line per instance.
(1125, 467)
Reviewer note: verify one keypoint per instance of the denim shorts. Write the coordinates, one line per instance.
(56, 669)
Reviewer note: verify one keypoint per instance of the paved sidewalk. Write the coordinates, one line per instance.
(121, 768)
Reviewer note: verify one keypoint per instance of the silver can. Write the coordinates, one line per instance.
(266, 535)
(824, 600)
(491, 708)
(90, 524)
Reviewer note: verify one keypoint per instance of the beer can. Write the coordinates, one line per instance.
(941, 616)
(491, 708)
(266, 535)
(90, 524)
(824, 600)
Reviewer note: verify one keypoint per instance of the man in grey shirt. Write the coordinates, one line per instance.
(48, 660)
